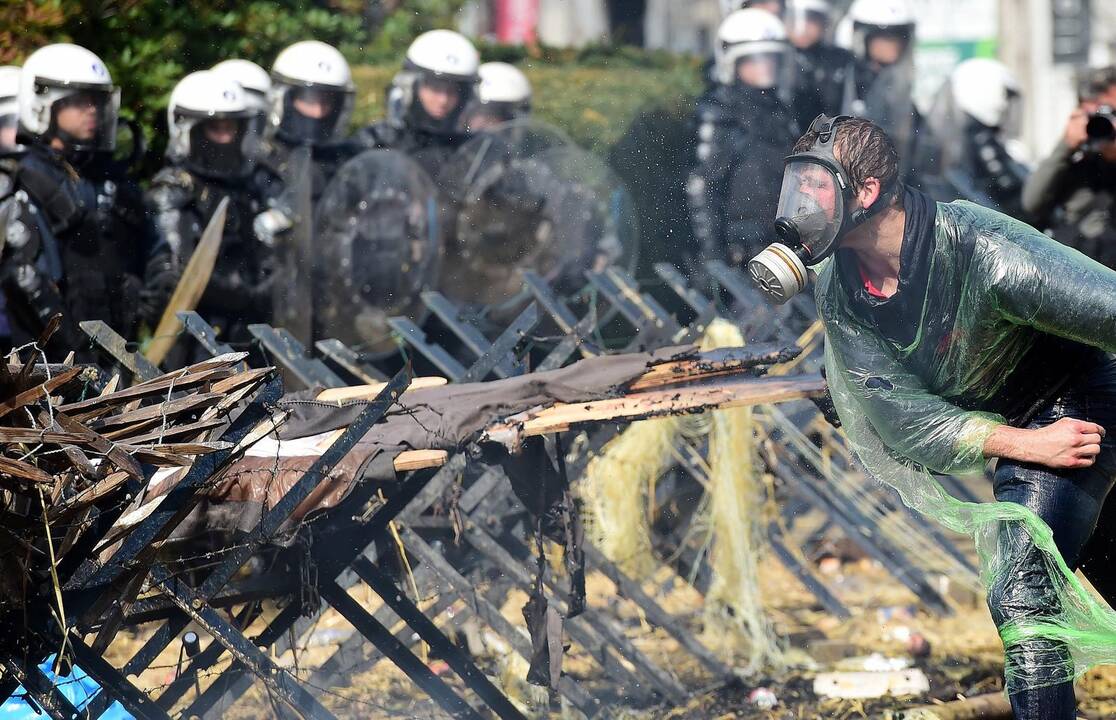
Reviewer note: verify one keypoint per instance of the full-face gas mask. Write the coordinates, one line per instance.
(815, 210)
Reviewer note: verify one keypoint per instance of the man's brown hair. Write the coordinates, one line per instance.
(1094, 82)
(863, 148)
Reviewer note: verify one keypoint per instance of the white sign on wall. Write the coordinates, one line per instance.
(950, 31)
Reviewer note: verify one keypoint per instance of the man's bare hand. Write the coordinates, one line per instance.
(1065, 444)
(1075, 135)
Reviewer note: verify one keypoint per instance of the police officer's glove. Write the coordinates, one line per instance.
(270, 224)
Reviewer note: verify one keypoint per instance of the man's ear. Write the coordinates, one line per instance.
(869, 192)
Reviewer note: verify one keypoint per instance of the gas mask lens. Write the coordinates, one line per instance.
(810, 208)
(808, 220)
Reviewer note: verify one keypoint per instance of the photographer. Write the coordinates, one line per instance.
(1072, 193)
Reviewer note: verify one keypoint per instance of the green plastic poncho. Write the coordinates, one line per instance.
(997, 288)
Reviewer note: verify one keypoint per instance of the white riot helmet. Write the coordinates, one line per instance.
(316, 75)
(503, 94)
(214, 129)
(798, 10)
(754, 36)
(443, 60)
(253, 78)
(64, 77)
(821, 7)
(870, 18)
(9, 104)
(772, 6)
(807, 21)
(984, 89)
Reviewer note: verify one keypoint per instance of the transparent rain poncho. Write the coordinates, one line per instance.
(998, 289)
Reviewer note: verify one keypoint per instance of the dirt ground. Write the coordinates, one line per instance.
(964, 656)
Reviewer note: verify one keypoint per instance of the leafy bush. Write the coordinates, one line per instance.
(593, 103)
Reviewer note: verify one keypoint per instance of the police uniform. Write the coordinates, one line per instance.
(743, 134)
(81, 243)
(239, 291)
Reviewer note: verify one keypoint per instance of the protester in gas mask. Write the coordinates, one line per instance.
(955, 334)
(1073, 191)
(212, 154)
(81, 242)
(743, 130)
(427, 100)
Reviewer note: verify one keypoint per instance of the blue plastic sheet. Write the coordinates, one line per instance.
(77, 687)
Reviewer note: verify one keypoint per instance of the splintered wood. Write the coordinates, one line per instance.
(717, 379)
(67, 447)
(674, 401)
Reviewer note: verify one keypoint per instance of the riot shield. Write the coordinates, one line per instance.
(379, 246)
(292, 301)
(525, 198)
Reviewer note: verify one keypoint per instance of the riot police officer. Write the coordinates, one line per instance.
(971, 120)
(9, 122)
(252, 78)
(743, 133)
(427, 100)
(503, 94)
(883, 86)
(310, 103)
(9, 107)
(214, 141)
(81, 243)
(823, 72)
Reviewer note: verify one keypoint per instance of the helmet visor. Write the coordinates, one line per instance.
(315, 115)
(224, 146)
(440, 104)
(486, 116)
(8, 126)
(85, 119)
(806, 27)
(1011, 123)
(761, 70)
(811, 208)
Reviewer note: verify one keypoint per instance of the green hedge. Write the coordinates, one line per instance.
(594, 104)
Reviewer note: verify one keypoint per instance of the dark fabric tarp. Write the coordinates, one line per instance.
(444, 418)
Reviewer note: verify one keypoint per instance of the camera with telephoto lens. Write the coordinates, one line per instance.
(1101, 124)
